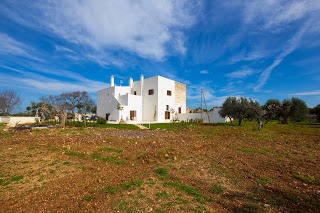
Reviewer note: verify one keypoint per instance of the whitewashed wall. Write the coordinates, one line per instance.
(213, 115)
(149, 101)
(164, 100)
(15, 120)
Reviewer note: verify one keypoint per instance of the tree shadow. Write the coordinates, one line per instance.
(262, 199)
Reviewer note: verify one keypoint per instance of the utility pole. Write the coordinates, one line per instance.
(201, 103)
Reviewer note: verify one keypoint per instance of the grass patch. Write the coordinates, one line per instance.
(251, 207)
(162, 195)
(110, 159)
(131, 184)
(14, 178)
(109, 149)
(41, 178)
(67, 163)
(216, 189)
(251, 150)
(189, 190)
(169, 126)
(88, 198)
(110, 190)
(263, 181)
(119, 126)
(307, 179)
(161, 171)
(76, 154)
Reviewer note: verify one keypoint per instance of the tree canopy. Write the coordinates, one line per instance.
(9, 99)
(240, 108)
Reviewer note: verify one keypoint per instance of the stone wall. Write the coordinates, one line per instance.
(181, 94)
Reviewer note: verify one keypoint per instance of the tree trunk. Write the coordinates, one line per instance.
(240, 120)
(62, 118)
(285, 120)
(73, 115)
(260, 125)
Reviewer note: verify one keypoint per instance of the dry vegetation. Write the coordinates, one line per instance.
(198, 168)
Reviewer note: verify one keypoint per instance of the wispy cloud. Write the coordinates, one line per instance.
(314, 92)
(10, 46)
(292, 44)
(45, 85)
(240, 73)
(204, 72)
(63, 49)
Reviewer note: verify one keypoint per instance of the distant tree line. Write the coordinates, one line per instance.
(62, 105)
(293, 109)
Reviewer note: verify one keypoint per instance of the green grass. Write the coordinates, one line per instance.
(4, 134)
(76, 154)
(216, 189)
(263, 181)
(110, 149)
(201, 198)
(119, 126)
(161, 171)
(88, 198)
(67, 163)
(307, 179)
(110, 190)
(131, 184)
(251, 150)
(251, 207)
(169, 126)
(14, 178)
(162, 195)
(41, 178)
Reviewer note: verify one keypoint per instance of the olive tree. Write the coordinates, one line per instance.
(240, 108)
(9, 99)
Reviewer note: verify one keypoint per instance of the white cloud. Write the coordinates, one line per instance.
(204, 72)
(240, 73)
(151, 29)
(314, 92)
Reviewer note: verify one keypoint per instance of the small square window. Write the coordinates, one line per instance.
(179, 109)
(168, 93)
(151, 92)
(135, 92)
(167, 107)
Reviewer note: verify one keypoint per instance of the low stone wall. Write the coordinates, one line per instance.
(213, 115)
(17, 120)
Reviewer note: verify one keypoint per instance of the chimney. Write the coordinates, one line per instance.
(111, 81)
(130, 82)
(141, 88)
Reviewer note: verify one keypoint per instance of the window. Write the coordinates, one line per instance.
(167, 107)
(179, 109)
(135, 92)
(168, 93)
(167, 115)
(151, 91)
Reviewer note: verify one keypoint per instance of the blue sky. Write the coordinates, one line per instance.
(260, 49)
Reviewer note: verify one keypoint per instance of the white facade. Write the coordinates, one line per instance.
(155, 99)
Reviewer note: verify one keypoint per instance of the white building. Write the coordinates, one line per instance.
(155, 99)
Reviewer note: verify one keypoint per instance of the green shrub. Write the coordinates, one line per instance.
(101, 121)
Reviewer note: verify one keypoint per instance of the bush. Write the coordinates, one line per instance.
(101, 121)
